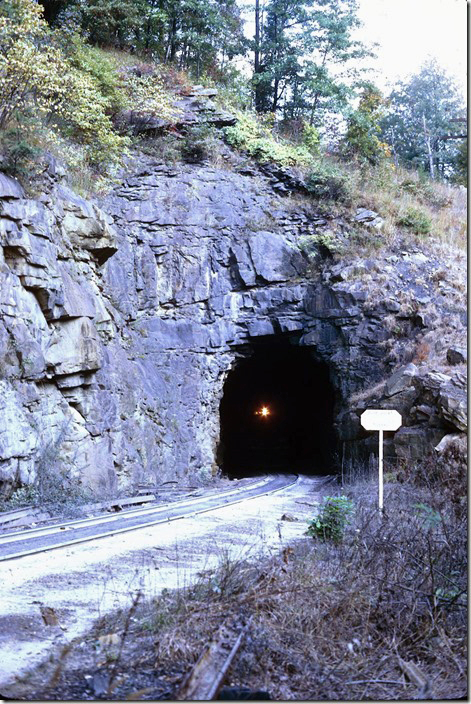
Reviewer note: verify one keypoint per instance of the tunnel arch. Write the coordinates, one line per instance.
(296, 433)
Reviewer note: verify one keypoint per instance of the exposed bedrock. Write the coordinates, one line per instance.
(121, 320)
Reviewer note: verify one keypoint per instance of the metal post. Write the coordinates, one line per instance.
(380, 502)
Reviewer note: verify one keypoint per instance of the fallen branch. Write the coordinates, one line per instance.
(207, 676)
(401, 684)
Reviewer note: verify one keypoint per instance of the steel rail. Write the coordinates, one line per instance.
(51, 529)
(175, 511)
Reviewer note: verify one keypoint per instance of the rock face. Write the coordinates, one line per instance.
(192, 107)
(120, 321)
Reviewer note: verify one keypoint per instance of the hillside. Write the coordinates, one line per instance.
(124, 314)
(195, 288)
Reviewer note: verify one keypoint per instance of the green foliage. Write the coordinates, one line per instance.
(21, 497)
(37, 78)
(232, 86)
(101, 66)
(416, 220)
(312, 245)
(299, 45)
(361, 139)
(423, 111)
(460, 164)
(143, 92)
(196, 35)
(20, 154)
(199, 144)
(58, 93)
(111, 22)
(254, 137)
(310, 137)
(327, 181)
(431, 516)
(332, 519)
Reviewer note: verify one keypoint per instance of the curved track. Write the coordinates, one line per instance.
(19, 544)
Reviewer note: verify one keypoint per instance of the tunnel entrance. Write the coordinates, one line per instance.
(277, 413)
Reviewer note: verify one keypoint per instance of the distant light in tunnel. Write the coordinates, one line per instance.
(264, 412)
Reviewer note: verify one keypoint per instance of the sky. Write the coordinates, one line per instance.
(410, 31)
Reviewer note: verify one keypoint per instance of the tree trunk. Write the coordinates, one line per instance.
(429, 148)
(259, 89)
(172, 41)
(277, 49)
(257, 37)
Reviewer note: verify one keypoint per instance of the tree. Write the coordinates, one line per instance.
(422, 120)
(297, 52)
(112, 22)
(460, 164)
(38, 83)
(201, 33)
(361, 139)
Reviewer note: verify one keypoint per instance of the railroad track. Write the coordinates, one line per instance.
(28, 542)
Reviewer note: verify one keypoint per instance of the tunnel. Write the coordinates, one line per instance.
(276, 413)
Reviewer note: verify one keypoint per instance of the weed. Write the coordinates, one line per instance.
(165, 147)
(332, 519)
(327, 181)
(256, 138)
(52, 490)
(19, 152)
(200, 143)
(330, 621)
(325, 242)
(416, 220)
(422, 352)
(21, 497)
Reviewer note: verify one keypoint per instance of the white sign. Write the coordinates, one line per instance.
(381, 420)
(378, 419)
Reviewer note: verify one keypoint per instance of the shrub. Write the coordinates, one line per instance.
(428, 192)
(255, 138)
(144, 92)
(416, 220)
(332, 519)
(101, 67)
(23, 496)
(328, 182)
(200, 143)
(19, 153)
(361, 139)
(37, 78)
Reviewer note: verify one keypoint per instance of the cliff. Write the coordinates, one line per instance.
(121, 318)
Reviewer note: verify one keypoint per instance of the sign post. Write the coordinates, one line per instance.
(381, 420)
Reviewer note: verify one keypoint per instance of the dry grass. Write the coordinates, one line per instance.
(381, 616)
(335, 622)
(364, 394)
(338, 623)
(392, 191)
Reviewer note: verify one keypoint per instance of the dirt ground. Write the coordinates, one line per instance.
(52, 600)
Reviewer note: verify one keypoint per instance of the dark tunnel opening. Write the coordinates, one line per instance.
(295, 433)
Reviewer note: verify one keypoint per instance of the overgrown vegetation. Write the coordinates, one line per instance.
(80, 81)
(52, 490)
(59, 94)
(331, 519)
(379, 614)
(416, 220)
(255, 137)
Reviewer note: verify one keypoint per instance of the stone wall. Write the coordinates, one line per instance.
(120, 320)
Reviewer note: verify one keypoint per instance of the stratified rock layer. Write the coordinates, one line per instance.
(120, 321)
